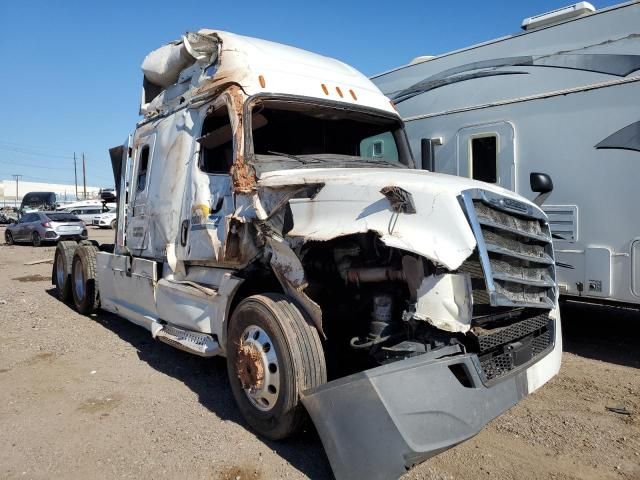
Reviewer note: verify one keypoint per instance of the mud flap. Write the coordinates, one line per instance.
(379, 423)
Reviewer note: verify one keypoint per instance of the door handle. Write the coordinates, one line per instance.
(184, 233)
(218, 206)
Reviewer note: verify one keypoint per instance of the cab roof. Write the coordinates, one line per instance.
(257, 66)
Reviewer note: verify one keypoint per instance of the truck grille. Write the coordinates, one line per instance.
(514, 262)
(513, 282)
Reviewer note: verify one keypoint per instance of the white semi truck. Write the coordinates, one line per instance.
(268, 212)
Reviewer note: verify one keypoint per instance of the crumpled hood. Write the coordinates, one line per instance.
(351, 202)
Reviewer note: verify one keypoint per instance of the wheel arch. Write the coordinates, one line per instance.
(249, 284)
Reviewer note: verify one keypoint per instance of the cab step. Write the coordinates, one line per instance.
(193, 342)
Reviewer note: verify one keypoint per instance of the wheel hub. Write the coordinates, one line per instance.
(250, 367)
(78, 280)
(258, 368)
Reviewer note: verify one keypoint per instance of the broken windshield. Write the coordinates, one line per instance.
(288, 134)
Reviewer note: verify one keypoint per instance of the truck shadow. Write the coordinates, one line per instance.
(207, 377)
(609, 334)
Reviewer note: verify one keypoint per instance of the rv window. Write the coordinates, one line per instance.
(382, 146)
(143, 164)
(484, 158)
(216, 142)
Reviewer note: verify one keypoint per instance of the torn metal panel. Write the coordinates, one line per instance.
(351, 202)
(290, 273)
(445, 302)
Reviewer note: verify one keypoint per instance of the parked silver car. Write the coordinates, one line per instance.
(38, 227)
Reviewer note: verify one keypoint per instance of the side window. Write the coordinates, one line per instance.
(484, 158)
(216, 151)
(143, 165)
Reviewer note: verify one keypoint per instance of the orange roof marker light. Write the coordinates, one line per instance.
(353, 94)
(325, 89)
(339, 91)
(261, 80)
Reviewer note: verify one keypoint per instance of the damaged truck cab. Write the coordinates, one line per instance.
(268, 212)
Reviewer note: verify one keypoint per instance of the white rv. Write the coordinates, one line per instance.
(258, 220)
(561, 97)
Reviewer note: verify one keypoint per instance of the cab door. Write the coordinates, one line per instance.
(487, 153)
(209, 202)
(138, 183)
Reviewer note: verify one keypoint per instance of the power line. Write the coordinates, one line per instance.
(23, 151)
(37, 148)
(32, 165)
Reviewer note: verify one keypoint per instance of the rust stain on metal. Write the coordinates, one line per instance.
(242, 174)
(249, 367)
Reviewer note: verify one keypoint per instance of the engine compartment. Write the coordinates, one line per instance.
(368, 294)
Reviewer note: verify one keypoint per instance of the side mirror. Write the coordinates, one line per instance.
(540, 183)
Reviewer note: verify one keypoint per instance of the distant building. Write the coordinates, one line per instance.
(65, 193)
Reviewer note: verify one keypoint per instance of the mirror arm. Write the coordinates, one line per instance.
(540, 199)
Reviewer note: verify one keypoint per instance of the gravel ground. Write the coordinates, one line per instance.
(98, 398)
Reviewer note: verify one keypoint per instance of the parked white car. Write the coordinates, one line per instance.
(86, 213)
(105, 220)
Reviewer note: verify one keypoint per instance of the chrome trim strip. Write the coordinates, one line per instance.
(546, 260)
(515, 231)
(547, 283)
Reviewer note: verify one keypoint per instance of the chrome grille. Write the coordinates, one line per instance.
(514, 252)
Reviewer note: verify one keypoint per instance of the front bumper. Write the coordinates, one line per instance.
(379, 423)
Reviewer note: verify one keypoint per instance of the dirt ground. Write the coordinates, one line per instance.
(98, 398)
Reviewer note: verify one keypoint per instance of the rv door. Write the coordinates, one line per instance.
(487, 153)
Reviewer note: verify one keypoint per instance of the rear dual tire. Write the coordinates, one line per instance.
(61, 274)
(84, 281)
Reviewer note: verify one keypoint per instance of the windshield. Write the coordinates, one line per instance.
(288, 134)
(62, 217)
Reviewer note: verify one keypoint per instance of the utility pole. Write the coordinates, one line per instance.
(17, 177)
(84, 177)
(75, 173)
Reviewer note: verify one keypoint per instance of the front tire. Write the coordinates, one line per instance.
(84, 281)
(273, 354)
(113, 225)
(8, 238)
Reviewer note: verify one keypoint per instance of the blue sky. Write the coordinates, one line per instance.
(70, 73)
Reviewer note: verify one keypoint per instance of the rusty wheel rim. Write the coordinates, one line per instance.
(258, 368)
